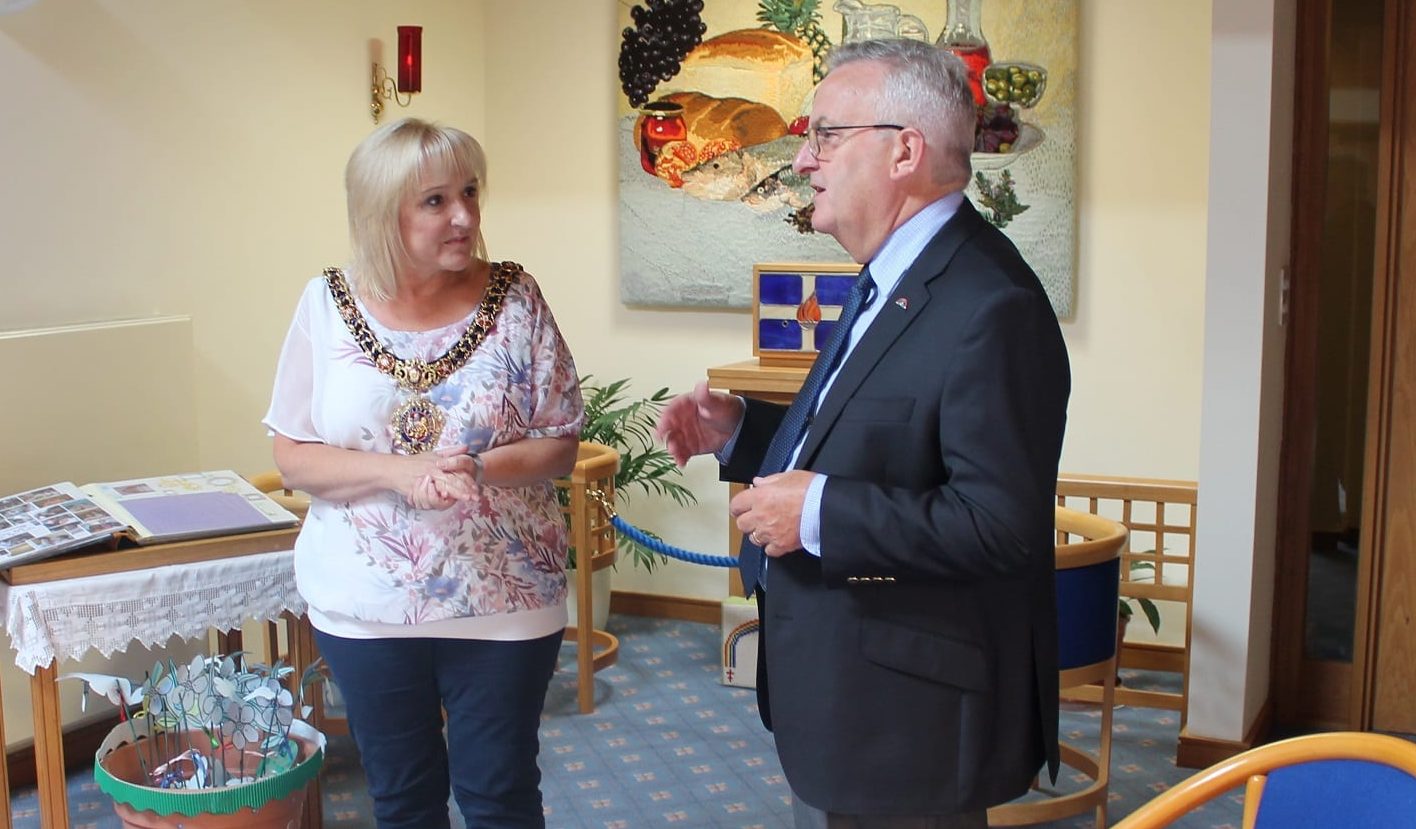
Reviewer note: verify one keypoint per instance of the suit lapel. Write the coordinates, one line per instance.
(891, 321)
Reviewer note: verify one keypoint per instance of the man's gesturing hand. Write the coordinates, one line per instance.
(698, 422)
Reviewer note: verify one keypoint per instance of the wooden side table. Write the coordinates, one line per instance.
(749, 378)
(51, 604)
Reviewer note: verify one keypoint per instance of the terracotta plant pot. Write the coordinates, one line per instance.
(275, 802)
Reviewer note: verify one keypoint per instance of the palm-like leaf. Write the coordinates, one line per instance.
(626, 424)
(1148, 607)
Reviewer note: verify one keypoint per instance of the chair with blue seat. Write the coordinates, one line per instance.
(1088, 592)
(1340, 780)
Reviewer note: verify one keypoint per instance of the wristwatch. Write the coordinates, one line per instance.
(479, 467)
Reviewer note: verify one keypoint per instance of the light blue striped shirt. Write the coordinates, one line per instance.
(887, 268)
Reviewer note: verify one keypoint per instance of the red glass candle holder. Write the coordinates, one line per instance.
(410, 59)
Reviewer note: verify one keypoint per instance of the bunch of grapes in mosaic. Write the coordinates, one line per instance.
(650, 51)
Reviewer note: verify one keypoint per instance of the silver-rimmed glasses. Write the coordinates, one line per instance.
(823, 139)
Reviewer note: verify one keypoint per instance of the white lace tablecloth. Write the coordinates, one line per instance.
(64, 619)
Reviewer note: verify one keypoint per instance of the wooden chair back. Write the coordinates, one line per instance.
(1341, 780)
(1157, 563)
(1087, 554)
(271, 484)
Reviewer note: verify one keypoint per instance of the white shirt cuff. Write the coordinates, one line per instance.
(811, 516)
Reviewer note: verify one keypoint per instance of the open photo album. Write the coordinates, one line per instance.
(61, 517)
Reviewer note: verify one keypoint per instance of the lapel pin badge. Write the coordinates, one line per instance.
(903, 303)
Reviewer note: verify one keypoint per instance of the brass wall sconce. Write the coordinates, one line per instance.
(410, 73)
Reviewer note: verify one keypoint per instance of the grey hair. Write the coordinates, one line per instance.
(382, 173)
(927, 88)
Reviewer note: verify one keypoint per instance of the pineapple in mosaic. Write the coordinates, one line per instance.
(803, 19)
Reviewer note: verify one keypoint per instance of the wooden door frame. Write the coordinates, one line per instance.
(1398, 133)
(1312, 692)
(1294, 699)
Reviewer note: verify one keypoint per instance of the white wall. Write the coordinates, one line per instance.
(185, 158)
(1241, 417)
(219, 197)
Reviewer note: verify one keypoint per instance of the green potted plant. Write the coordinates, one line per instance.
(626, 424)
(214, 743)
(1126, 608)
(1128, 604)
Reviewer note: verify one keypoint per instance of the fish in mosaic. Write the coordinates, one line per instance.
(733, 175)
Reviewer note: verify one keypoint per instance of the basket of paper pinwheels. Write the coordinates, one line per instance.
(214, 743)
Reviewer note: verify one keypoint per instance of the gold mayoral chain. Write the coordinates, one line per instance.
(418, 423)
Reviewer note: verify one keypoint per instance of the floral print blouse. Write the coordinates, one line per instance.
(380, 560)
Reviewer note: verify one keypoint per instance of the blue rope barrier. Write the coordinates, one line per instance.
(643, 538)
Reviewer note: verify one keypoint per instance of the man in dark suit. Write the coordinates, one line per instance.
(909, 654)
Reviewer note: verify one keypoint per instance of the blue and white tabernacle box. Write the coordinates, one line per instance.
(795, 308)
(740, 637)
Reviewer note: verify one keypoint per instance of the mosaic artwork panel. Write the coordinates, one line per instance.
(704, 155)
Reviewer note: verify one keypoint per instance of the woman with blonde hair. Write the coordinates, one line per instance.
(425, 400)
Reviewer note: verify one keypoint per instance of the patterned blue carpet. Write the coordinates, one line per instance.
(670, 746)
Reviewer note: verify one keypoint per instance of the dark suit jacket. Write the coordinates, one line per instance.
(912, 668)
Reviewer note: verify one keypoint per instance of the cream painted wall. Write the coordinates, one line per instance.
(218, 196)
(82, 414)
(188, 158)
(178, 159)
(1136, 340)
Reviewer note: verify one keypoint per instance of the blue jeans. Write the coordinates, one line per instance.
(395, 691)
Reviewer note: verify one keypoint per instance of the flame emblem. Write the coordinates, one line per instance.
(808, 313)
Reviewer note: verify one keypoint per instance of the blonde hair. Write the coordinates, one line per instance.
(382, 173)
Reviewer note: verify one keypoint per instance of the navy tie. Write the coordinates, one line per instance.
(798, 417)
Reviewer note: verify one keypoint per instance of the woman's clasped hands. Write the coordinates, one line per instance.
(439, 479)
